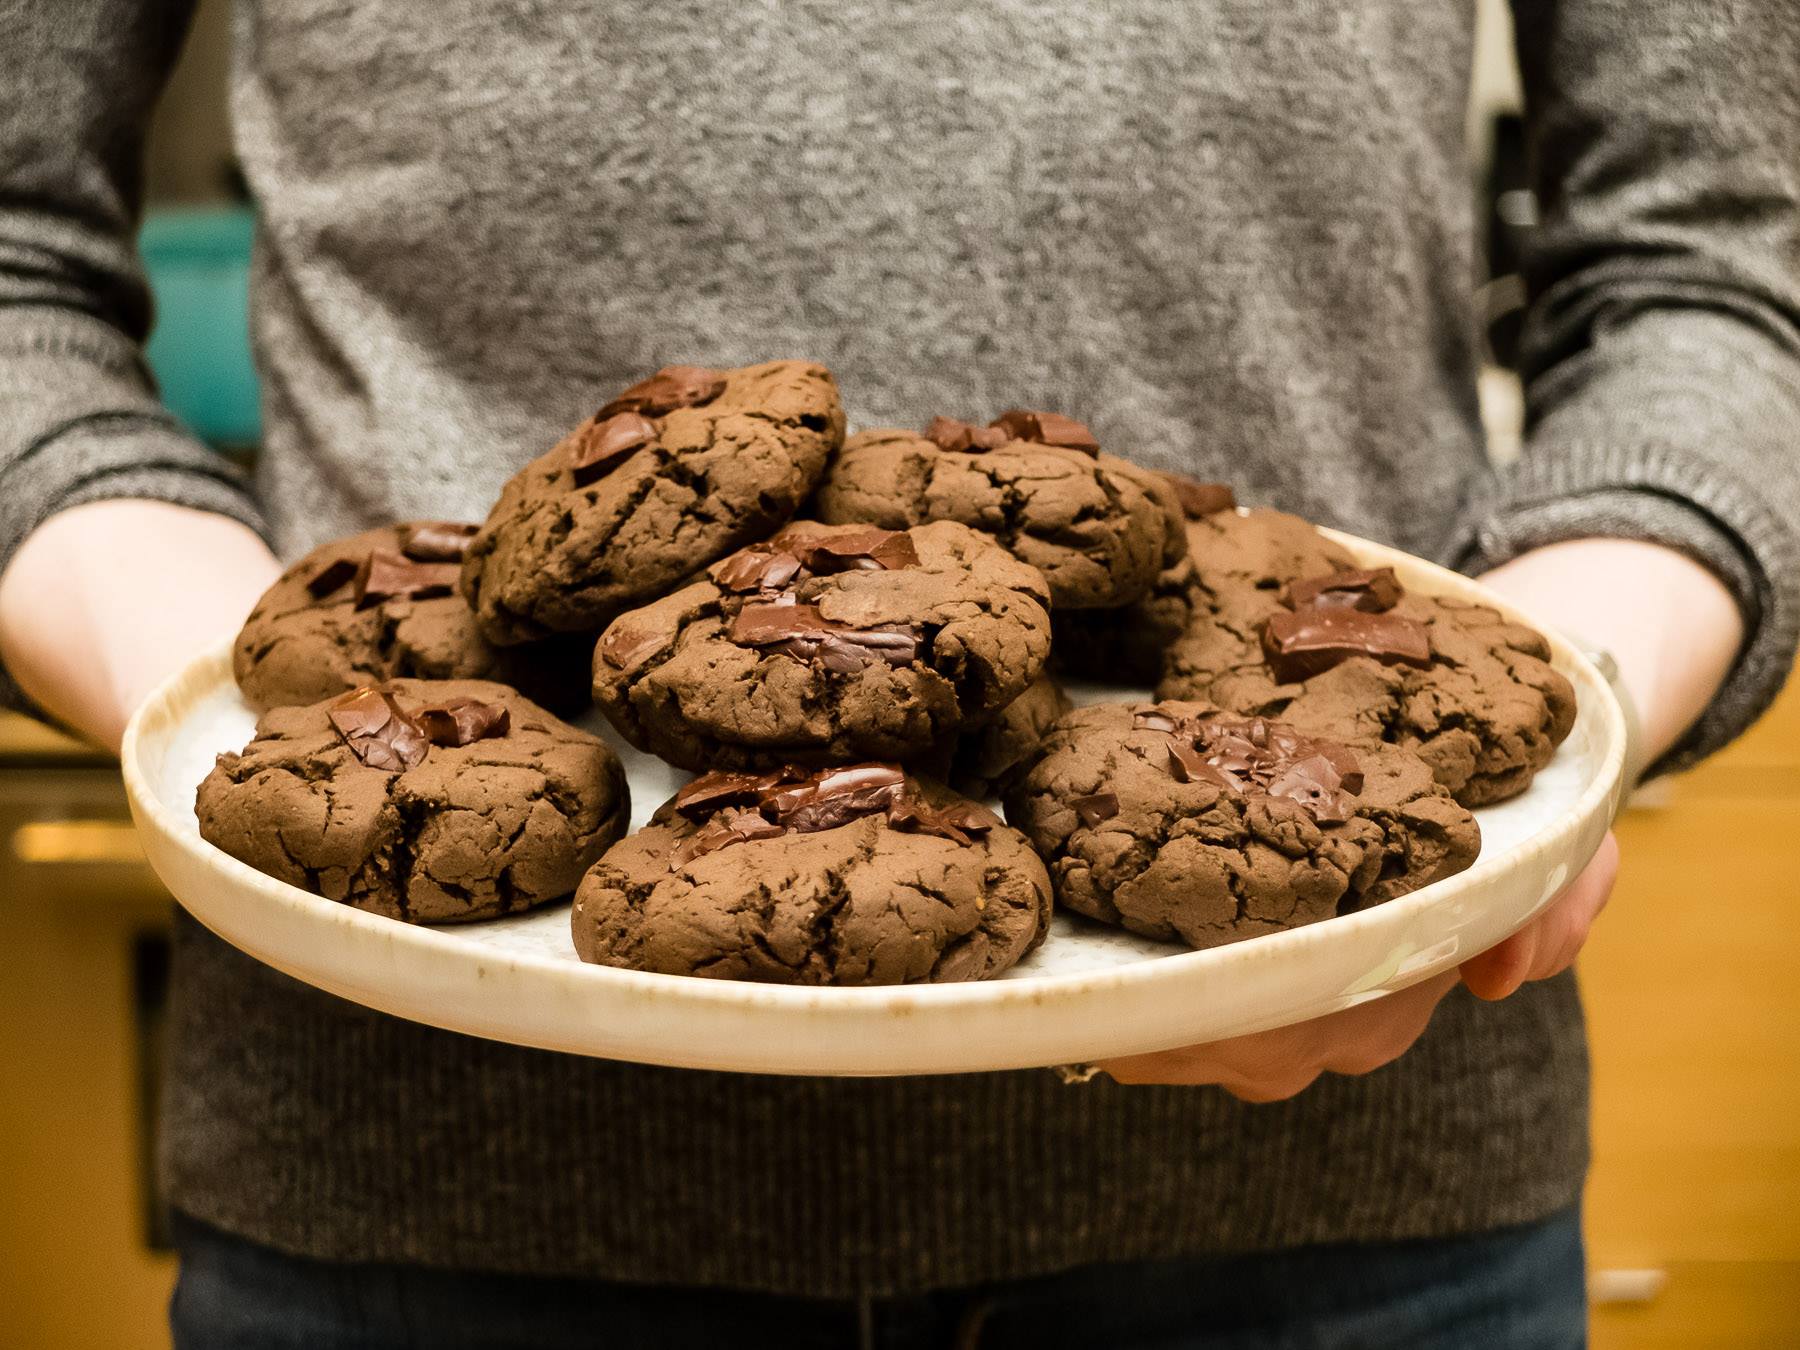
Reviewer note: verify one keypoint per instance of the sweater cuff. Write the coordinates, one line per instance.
(109, 457)
(1657, 497)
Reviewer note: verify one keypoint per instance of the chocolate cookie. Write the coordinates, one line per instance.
(855, 875)
(673, 473)
(1097, 527)
(1128, 645)
(1350, 654)
(983, 762)
(382, 604)
(827, 644)
(431, 801)
(1179, 822)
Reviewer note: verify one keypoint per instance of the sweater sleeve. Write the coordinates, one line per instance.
(79, 416)
(1662, 348)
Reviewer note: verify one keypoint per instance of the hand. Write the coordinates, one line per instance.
(1674, 630)
(1273, 1065)
(104, 601)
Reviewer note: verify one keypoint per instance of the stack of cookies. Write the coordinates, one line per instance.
(851, 680)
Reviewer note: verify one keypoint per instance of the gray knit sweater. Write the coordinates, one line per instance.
(1235, 237)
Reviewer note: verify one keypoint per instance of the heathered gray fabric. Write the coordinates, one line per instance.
(1236, 238)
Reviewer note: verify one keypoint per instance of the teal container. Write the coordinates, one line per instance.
(198, 261)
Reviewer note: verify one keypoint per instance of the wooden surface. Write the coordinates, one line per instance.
(1692, 982)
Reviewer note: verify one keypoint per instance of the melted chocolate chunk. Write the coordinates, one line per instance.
(436, 540)
(1306, 642)
(606, 443)
(867, 549)
(739, 807)
(622, 647)
(1374, 591)
(1198, 499)
(791, 557)
(329, 577)
(1253, 756)
(737, 827)
(1047, 428)
(389, 576)
(462, 721)
(1096, 808)
(965, 437)
(670, 388)
(377, 731)
(802, 632)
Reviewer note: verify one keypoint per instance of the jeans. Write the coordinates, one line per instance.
(1505, 1290)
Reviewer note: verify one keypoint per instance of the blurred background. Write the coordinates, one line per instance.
(1692, 981)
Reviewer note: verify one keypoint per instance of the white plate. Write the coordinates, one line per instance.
(1087, 993)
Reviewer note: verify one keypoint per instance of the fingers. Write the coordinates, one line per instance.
(1550, 943)
(1274, 1065)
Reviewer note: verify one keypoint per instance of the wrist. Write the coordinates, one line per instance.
(1669, 623)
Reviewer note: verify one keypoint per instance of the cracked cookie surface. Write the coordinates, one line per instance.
(863, 903)
(1202, 861)
(305, 641)
(1486, 710)
(1098, 527)
(471, 831)
(621, 511)
(673, 681)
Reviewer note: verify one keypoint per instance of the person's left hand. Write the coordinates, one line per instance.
(1272, 1065)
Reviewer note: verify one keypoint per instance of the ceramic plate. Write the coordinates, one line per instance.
(1089, 992)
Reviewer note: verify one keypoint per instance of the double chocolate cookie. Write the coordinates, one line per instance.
(673, 473)
(382, 604)
(428, 801)
(1097, 527)
(1179, 822)
(824, 645)
(1350, 654)
(984, 762)
(851, 876)
(1128, 645)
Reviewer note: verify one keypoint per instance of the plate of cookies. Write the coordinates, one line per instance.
(729, 741)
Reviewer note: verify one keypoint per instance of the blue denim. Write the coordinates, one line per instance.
(1515, 1289)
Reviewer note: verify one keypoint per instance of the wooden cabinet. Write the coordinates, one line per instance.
(1692, 982)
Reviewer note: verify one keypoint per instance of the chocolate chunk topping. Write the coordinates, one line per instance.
(1374, 591)
(960, 822)
(1047, 428)
(737, 827)
(745, 806)
(462, 721)
(607, 442)
(622, 647)
(377, 731)
(1250, 755)
(965, 437)
(670, 388)
(792, 556)
(1101, 806)
(329, 577)
(436, 540)
(1198, 499)
(802, 632)
(389, 576)
(1306, 642)
(867, 549)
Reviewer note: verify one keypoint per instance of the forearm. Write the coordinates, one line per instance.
(103, 601)
(1671, 625)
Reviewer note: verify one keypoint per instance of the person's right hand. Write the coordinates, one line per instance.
(104, 601)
